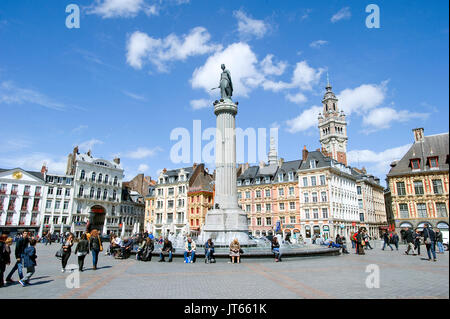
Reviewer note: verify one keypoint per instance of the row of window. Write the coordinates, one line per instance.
(23, 207)
(268, 207)
(313, 181)
(267, 193)
(171, 191)
(59, 191)
(172, 179)
(99, 179)
(315, 213)
(48, 204)
(58, 180)
(441, 210)
(22, 218)
(99, 193)
(432, 162)
(15, 190)
(418, 187)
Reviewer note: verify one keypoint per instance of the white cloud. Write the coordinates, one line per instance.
(240, 60)
(134, 96)
(269, 68)
(296, 98)
(79, 128)
(11, 145)
(142, 48)
(143, 168)
(307, 119)
(121, 8)
(363, 98)
(344, 13)
(317, 44)
(249, 27)
(34, 161)
(381, 118)
(200, 104)
(143, 152)
(11, 94)
(88, 145)
(377, 163)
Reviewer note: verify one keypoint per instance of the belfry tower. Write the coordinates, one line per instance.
(333, 128)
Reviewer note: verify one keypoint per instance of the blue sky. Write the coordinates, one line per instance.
(137, 69)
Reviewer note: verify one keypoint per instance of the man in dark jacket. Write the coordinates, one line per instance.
(430, 240)
(386, 241)
(21, 244)
(166, 249)
(439, 241)
(409, 241)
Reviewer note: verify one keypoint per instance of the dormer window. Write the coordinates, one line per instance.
(312, 164)
(171, 179)
(280, 177)
(291, 176)
(415, 163)
(247, 182)
(239, 183)
(267, 179)
(258, 180)
(433, 162)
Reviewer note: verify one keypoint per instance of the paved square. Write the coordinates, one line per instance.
(342, 276)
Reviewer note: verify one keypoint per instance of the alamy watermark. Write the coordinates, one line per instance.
(73, 279)
(373, 279)
(373, 19)
(73, 19)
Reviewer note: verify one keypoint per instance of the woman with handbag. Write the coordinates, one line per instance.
(82, 250)
(235, 250)
(95, 243)
(66, 251)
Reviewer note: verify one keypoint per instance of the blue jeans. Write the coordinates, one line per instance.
(30, 272)
(161, 256)
(386, 243)
(277, 253)
(17, 266)
(95, 257)
(440, 247)
(186, 254)
(431, 247)
(209, 252)
(353, 244)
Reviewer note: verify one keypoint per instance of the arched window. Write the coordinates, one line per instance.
(105, 193)
(99, 193)
(93, 177)
(80, 192)
(115, 180)
(100, 176)
(113, 210)
(91, 193)
(106, 178)
(82, 175)
(114, 194)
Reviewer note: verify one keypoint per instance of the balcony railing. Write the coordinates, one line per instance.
(26, 193)
(37, 194)
(3, 191)
(13, 192)
(11, 207)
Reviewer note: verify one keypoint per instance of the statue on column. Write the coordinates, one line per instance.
(225, 86)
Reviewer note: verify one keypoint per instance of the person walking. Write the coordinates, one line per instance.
(5, 256)
(189, 251)
(439, 241)
(276, 249)
(429, 238)
(82, 250)
(367, 239)
(417, 240)
(360, 242)
(235, 249)
(409, 237)
(395, 240)
(386, 241)
(21, 244)
(29, 262)
(95, 245)
(67, 251)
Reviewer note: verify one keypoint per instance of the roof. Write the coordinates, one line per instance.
(322, 161)
(432, 145)
(34, 173)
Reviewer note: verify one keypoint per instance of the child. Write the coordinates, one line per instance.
(29, 261)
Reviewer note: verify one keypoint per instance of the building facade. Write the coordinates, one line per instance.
(418, 183)
(21, 200)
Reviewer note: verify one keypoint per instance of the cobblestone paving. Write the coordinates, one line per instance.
(342, 276)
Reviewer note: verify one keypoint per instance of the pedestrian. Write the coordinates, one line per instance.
(209, 251)
(409, 237)
(67, 251)
(82, 250)
(366, 239)
(189, 251)
(49, 239)
(341, 242)
(386, 241)
(5, 255)
(417, 240)
(235, 249)
(95, 245)
(352, 234)
(21, 244)
(29, 262)
(166, 249)
(429, 238)
(276, 249)
(395, 240)
(360, 242)
(147, 249)
(439, 240)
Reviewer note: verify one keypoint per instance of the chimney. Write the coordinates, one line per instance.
(364, 170)
(116, 160)
(164, 170)
(304, 153)
(194, 166)
(261, 164)
(418, 134)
